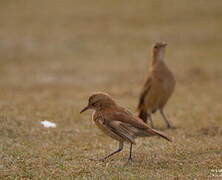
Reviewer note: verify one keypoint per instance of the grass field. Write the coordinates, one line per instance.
(54, 54)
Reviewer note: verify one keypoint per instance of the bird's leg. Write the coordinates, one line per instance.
(150, 119)
(130, 155)
(165, 119)
(118, 150)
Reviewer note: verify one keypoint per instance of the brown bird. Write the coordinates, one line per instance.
(158, 87)
(117, 122)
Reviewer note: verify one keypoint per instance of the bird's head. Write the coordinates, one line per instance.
(159, 46)
(159, 50)
(98, 101)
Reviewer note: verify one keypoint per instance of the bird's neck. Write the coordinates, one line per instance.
(158, 56)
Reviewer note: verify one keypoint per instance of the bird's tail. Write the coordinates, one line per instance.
(155, 132)
(143, 115)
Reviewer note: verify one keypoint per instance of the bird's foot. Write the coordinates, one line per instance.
(129, 160)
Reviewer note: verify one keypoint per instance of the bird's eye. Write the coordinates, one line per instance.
(93, 104)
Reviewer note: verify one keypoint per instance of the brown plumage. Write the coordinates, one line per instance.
(158, 87)
(117, 122)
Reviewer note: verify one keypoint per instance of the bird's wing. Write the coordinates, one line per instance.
(121, 129)
(134, 121)
(145, 91)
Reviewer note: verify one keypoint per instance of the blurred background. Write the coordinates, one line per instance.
(88, 44)
(54, 54)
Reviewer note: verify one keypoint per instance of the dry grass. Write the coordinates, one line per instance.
(55, 53)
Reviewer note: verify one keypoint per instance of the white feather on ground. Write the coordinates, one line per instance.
(48, 124)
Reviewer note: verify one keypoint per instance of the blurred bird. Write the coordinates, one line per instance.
(158, 88)
(117, 122)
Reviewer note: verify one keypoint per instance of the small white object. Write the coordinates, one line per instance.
(48, 124)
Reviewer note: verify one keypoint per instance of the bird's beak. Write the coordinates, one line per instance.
(84, 109)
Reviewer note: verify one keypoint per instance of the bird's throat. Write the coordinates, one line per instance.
(158, 57)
